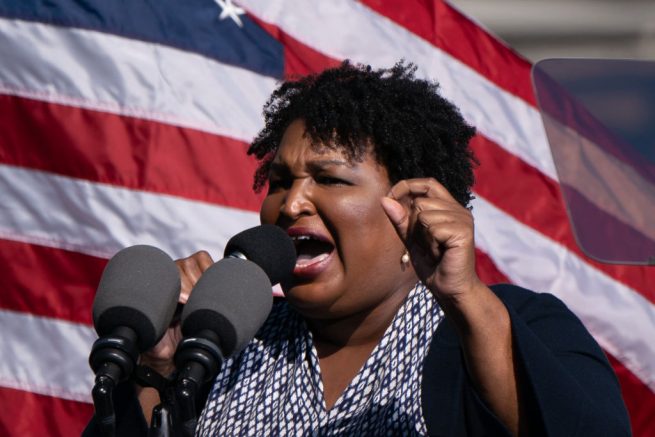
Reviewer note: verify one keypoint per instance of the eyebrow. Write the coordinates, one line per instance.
(318, 164)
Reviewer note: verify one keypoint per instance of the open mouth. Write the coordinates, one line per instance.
(311, 250)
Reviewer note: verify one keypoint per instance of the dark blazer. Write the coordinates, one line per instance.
(569, 386)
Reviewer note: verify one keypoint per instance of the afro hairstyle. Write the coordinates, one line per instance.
(414, 132)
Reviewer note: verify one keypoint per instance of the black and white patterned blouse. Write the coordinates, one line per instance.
(274, 387)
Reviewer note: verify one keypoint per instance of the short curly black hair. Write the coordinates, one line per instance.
(414, 131)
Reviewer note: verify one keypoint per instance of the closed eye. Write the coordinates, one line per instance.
(330, 180)
(276, 184)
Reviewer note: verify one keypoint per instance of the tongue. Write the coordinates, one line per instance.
(310, 252)
(305, 260)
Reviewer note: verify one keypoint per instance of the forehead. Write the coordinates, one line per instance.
(297, 152)
(296, 145)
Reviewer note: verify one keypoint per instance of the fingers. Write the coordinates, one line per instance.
(191, 268)
(409, 198)
(397, 214)
(426, 215)
(446, 229)
(437, 231)
(423, 187)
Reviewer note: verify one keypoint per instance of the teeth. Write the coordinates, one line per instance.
(301, 238)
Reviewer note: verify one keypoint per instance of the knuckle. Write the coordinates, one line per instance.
(420, 204)
(203, 257)
(193, 262)
(423, 218)
(186, 263)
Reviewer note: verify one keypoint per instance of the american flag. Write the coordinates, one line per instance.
(126, 122)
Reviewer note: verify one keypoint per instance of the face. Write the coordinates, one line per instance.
(348, 251)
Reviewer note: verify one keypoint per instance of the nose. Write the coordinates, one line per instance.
(298, 200)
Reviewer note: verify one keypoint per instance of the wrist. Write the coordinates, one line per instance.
(476, 309)
(468, 296)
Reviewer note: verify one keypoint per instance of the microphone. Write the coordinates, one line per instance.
(133, 306)
(268, 246)
(233, 297)
(228, 305)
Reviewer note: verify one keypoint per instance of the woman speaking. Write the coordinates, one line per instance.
(386, 329)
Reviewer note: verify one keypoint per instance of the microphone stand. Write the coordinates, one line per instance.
(199, 360)
(162, 422)
(112, 360)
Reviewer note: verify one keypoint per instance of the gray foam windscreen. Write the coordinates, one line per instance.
(139, 289)
(232, 298)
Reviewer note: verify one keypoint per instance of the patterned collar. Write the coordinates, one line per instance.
(274, 386)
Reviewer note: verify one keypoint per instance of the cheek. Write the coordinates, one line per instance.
(357, 212)
(369, 231)
(365, 212)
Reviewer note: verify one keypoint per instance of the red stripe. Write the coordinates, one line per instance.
(639, 399)
(537, 202)
(48, 282)
(299, 58)
(487, 270)
(30, 414)
(61, 284)
(448, 29)
(128, 152)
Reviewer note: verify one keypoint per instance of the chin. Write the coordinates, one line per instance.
(310, 300)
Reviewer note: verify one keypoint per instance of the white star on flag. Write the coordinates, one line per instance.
(230, 10)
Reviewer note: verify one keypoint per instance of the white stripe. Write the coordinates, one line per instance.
(621, 320)
(45, 356)
(347, 29)
(99, 219)
(108, 73)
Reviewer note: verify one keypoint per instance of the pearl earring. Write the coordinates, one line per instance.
(405, 258)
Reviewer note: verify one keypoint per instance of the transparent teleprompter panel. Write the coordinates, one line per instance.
(599, 118)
